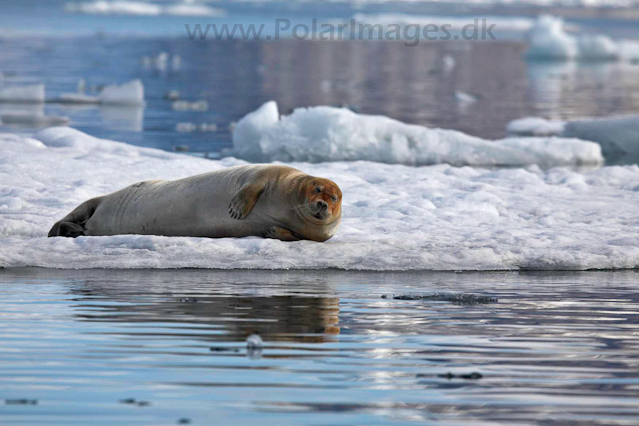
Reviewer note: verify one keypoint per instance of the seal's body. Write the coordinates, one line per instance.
(257, 200)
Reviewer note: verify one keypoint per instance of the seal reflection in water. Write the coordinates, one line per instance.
(256, 200)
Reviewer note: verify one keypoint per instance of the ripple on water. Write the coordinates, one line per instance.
(167, 347)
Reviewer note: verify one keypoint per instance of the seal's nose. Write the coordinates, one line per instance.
(322, 206)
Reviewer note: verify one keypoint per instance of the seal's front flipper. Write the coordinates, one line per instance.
(69, 229)
(244, 201)
(278, 233)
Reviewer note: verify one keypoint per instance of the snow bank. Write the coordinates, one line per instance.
(131, 93)
(338, 134)
(617, 136)
(395, 217)
(549, 40)
(32, 93)
(103, 7)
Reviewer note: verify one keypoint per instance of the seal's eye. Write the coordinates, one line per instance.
(318, 189)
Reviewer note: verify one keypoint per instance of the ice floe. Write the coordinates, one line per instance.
(395, 217)
(162, 62)
(549, 40)
(131, 93)
(535, 126)
(124, 7)
(617, 136)
(187, 127)
(337, 134)
(200, 105)
(76, 98)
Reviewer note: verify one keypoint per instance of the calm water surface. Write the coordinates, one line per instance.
(412, 84)
(556, 349)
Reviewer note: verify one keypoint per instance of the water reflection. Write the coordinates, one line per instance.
(414, 84)
(560, 346)
(275, 318)
(123, 118)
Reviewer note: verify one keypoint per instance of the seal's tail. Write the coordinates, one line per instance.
(72, 225)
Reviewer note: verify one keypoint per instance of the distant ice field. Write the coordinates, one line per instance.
(395, 217)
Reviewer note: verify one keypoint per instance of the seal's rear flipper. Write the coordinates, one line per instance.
(68, 229)
(72, 225)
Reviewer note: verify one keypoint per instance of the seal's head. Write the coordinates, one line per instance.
(321, 207)
(323, 199)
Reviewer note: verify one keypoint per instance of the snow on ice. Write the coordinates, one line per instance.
(395, 217)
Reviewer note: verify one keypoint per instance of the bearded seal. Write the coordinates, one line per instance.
(257, 200)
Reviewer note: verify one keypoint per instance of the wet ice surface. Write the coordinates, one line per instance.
(154, 347)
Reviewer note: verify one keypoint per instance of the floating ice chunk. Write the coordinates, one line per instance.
(597, 48)
(161, 61)
(337, 134)
(535, 126)
(201, 105)
(464, 100)
(617, 136)
(123, 7)
(189, 9)
(254, 341)
(207, 127)
(548, 40)
(192, 127)
(254, 346)
(32, 93)
(131, 93)
(103, 7)
(172, 95)
(629, 50)
(186, 127)
(176, 62)
(448, 63)
(76, 98)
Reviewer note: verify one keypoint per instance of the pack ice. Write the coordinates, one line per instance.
(324, 133)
